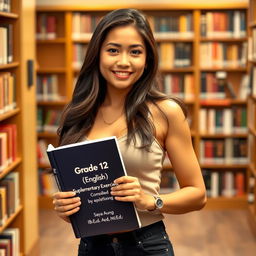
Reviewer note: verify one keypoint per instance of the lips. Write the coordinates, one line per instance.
(122, 74)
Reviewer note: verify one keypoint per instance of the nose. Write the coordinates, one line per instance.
(123, 60)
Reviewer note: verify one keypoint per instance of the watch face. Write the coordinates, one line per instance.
(159, 203)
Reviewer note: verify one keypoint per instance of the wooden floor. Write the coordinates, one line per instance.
(204, 233)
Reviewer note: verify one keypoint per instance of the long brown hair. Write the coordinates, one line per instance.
(90, 89)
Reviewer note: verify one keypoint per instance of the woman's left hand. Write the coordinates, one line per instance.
(128, 189)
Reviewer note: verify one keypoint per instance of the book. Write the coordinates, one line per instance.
(89, 168)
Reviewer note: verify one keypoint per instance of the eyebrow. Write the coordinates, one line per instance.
(131, 46)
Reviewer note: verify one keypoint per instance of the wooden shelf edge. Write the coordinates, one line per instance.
(9, 114)
(10, 167)
(221, 102)
(143, 6)
(252, 24)
(222, 135)
(252, 130)
(252, 218)
(9, 65)
(226, 203)
(223, 39)
(252, 169)
(213, 69)
(223, 166)
(9, 15)
(51, 41)
(52, 103)
(10, 219)
(46, 135)
(177, 70)
(51, 70)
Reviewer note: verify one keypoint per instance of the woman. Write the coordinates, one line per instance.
(116, 95)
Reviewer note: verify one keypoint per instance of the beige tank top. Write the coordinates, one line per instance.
(146, 166)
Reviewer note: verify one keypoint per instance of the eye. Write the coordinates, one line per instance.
(136, 52)
(112, 50)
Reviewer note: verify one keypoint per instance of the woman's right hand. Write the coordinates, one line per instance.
(66, 204)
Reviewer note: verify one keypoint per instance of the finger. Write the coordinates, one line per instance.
(63, 202)
(68, 213)
(126, 198)
(67, 208)
(125, 179)
(59, 195)
(125, 186)
(128, 192)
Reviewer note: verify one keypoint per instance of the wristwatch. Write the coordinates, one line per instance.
(158, 204)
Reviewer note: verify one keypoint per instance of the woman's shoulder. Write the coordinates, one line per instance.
(171, 108)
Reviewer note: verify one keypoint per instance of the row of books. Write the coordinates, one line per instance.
(252, 45)
(213, 87)
(223, 55)
(175, 55)
(48, 120)
(223, 151)
(9, 196)
(5, 5)
(47, 88)
(46, 182)
(83, 25)
(79, 51)
(6, 46)
(42, 157)
(226, 24)
(219, 24)
(179, 85)
(226, 184)
(8, 145)
(173, 26)
(46, 26)
(223, 121)
(10, 242)
(7, 92)
(252, 80)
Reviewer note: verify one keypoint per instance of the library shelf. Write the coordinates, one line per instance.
(194, 105)
(9, 114)
(9, 65)
(10, 167)
(11, 218)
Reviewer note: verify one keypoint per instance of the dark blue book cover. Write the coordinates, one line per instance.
(89, 169)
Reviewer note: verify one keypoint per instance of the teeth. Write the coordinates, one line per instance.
(120, 73)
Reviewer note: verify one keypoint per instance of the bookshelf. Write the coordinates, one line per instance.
(185, 41)
(18, 179)
(252, 115)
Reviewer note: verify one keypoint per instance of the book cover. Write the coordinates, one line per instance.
(89, 169)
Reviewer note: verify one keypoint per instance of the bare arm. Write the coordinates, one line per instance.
(191, 195)
(177, 139)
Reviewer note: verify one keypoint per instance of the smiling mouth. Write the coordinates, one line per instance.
(122, 74)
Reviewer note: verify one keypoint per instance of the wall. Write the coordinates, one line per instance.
(73, 3)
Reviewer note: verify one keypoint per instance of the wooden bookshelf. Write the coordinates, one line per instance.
(251, 105)
(64, 18)
(22, 114)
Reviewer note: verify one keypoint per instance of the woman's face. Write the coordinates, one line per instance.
(122, 57)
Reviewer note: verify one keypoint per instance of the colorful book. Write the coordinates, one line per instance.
(89, 168)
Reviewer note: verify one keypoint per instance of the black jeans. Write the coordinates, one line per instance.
(149, 240)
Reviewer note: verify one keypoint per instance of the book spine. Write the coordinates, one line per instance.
(60, 186)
